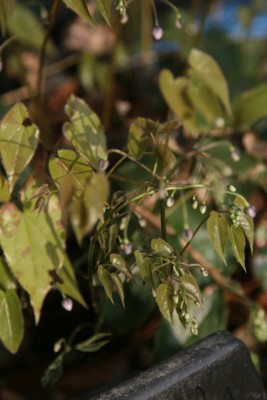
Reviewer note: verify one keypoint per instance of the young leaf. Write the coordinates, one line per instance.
(238, 241)
(107, 238)
(106, 281)
(162, 247)
(18, 141)
(33, 247)
(138, 138)
(191, 287)
(165, 301)
(94, 343)
(218, 233)
(118, 286)
(175, 93)
(54, 371)
(103, 7)
(206, 68)
(145, 268)
(11, 327)
(247, 225)
(79, 7)
(85, 132)
(118, 262)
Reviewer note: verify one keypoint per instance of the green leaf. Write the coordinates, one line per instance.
(138, 138)
(18, 141)
(54, 371)
(6, 10)
(33, 247)
(118, 262)
(7, 280)
(162, 247)
(106, 281)
(250, 107)
(34, 35)
(85, 132)
(118, 286)
(88, 208)
(218, 233)
(103, 7)
(165, 301)
(205, 101)
(238, 241)
(191, 287)
(79, 7)
(247, 225)
(107, 237)
(94, 343)
(206, 68)
(145, 268)
(12, 325)
(175, 93)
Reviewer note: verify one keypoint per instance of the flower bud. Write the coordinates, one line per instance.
(67, 304)
(170, 201)
(194, 203)
(157, 32)
(203, 208)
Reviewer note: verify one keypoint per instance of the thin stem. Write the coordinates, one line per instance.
(194, 234)
(155, 12)
(52, 18)
(163, 219)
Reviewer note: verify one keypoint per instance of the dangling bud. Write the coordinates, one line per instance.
(127, 248)
(170, 201)
(178, 21)
(194, 203)
(142, 222)
(203, 208)
(157, 32)
(251, 211)
(231, 188)
(204, 271)
(234, 153)
(102, 165)
(67, 304)
(187, 234)
(124, 19)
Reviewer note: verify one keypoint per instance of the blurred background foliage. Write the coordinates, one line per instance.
(115, 69)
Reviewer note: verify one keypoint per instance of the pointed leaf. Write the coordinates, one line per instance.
(247, 225)
(165, 301)
(145, 268)
(118, 262)
(162, 247)
(175, 93)
(107, 237)
(106, 281)
(103, 7)
(218, 233)
(18, 141)
(11, 327)
(118, 286)
(54, 371)
(205, 101)
(237, 240)
(191, 287)
(33, 247)
(94, 343)
(206, 68)
(138, 138)
(85, 132)
(79, 7)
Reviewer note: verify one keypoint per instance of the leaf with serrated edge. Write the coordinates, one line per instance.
(145, 268)
(80, 7)
(85, 131)
(238, 241)
(191, 287)
(247, 225)
(103, 7)
(118, 286)
(162, 247)
(18, 141)
(33, 247)
(206, 68)
(165, 301)
(118, 262)
(218, 233)
(106, 281)
(12, 325)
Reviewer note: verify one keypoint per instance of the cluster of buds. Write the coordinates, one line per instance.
(259, 324)
(121, 6)
(235, 215)
(194, 204)
(186, 318)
